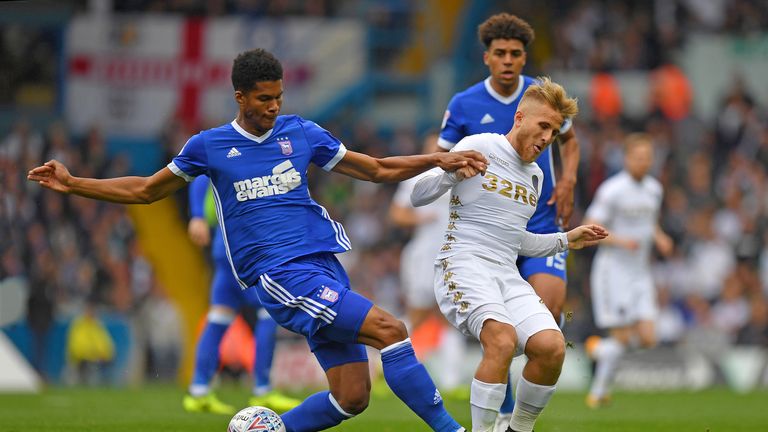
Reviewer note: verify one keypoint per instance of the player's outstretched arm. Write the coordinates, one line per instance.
(125, 190)
(398, 168)
(562, 194)
(585, 236)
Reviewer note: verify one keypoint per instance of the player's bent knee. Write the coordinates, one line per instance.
(391, 330)
(498, 340)
(547, 346)
(354, 402)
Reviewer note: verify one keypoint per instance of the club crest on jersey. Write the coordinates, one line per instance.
(329, 294)
(285, 146)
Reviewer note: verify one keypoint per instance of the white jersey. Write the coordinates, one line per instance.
(488, 214)
(628, 209)
(476, 277)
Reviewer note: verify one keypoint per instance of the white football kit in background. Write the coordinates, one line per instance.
(419, 254)
(476, 277)
(622, 285)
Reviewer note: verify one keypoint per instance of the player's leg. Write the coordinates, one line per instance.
(498, 340)
(646, 332)
(552, 290)
(547, 276)
(320, 306)
(404, 374)
(468, 291)
(607, 353)
(220, 315)
(346, 367)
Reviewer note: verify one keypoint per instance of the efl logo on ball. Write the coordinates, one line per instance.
(256, 418)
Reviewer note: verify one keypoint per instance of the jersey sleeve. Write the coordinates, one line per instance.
(192, 160)
(452, 130)
(327, 150)
(566, 126)
(600, 209)
(472, 142)
(197, 191)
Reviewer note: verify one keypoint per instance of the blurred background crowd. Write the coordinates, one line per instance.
(77, 257)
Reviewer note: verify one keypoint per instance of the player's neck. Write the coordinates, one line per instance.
(504, 90)
(253, 130)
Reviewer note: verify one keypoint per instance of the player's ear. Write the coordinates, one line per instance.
(486, 55)
(518, 117)
(239, 97)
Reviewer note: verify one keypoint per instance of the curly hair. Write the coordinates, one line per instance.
(255, 66)
(505, 26)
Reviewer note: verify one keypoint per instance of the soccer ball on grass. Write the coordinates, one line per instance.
(256, 418)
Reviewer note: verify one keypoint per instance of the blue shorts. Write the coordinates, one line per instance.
(554, 265)
(311, 296)
(226, 291)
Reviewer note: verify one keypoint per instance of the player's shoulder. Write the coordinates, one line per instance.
(653, 184)
(471, 92)
(529, 81)
(481, 142)
(615, 184)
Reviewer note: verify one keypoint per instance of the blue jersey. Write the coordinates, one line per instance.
(480, 109)
(265, 212)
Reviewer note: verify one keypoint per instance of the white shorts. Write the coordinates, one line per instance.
(621, 297)
(470, 290)
(416, 279)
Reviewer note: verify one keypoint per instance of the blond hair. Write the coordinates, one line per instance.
(552, 94)
(637, 139)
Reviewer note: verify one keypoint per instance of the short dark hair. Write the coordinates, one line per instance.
(255, 66)
(505, 26)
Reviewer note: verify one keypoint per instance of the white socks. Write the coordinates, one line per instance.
(485, 400)
(453, 347)
(607, 355)
(530, 400)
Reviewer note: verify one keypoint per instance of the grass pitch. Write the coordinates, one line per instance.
(158, 408)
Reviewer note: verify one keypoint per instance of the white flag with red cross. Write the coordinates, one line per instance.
(132, 74)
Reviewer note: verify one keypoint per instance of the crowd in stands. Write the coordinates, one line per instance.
(74, 253)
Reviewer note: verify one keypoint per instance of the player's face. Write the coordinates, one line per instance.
(505, 59)
(537, 126)
(260, 106)
(638, 160)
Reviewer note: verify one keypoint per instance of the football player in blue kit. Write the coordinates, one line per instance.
(227, 298)
(490, 106)
(281, 243)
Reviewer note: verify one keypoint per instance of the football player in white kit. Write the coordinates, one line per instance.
(623, 295)
(477, 284)
(416, 276)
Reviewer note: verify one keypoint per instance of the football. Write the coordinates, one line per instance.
(256, 418)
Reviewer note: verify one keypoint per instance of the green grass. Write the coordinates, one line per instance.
(158, 408)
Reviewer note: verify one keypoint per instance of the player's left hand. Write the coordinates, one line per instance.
(562, 198)
(453, 161)
(585, 236)
(664, 244)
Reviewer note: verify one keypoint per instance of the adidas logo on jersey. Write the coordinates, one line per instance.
(487, 119)
(233, 152)
(437, 398)
(284, 179)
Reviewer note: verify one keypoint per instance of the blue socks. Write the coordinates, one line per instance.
(207, 355)
(509, 401)
(265, 350)
(410, 381)
(317, 412)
